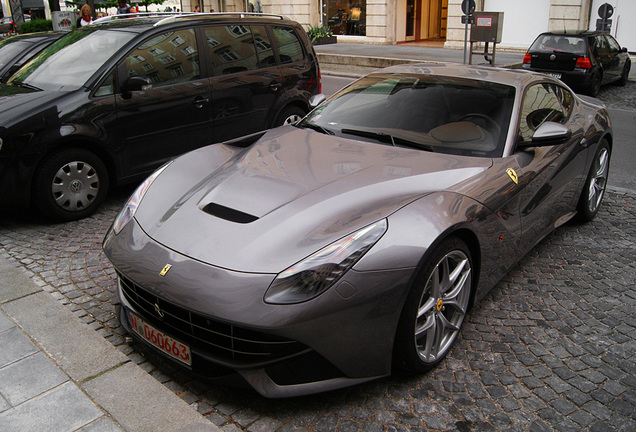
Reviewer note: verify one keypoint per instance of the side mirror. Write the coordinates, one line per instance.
(550, 133)
(137, 83)
(316, 100)
(623, 49)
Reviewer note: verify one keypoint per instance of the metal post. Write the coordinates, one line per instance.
(465, 37)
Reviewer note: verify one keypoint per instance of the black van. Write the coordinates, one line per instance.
(110, 102)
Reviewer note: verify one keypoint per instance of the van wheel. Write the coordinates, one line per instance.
(290, 115)
(71, 184)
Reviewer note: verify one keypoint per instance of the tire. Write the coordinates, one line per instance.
(595, 184)
(70, 185)
(290, 115)
(595, 84)
(625, 75)
(433, 315)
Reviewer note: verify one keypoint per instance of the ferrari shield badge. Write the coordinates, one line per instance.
(513, 175)
(165, 270)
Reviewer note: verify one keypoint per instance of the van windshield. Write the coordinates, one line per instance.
(72, 60)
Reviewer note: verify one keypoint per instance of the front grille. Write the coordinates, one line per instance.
(214, 338)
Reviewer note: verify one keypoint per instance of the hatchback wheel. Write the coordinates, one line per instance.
(595, 84)
(594, 189)
(70, 185)
(435, 308)
(625, 75)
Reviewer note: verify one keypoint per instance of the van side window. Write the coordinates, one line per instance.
(168, 58)
(231, 49)
(289, 46)
(263, 47)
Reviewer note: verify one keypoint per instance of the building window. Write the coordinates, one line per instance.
(347, 17)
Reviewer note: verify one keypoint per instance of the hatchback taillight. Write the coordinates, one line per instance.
(583, 63)
(527, 59)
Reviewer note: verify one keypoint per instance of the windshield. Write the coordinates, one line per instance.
(11, 48)
(72, 60)
(432, 113)
(550, 43)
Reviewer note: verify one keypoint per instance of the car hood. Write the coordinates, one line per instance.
(294, 191)
(16, 103)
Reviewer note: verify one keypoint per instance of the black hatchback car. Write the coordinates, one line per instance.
(584, 60)
(110, 102)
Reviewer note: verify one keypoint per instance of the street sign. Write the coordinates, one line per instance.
(468, 7)
(606, 11)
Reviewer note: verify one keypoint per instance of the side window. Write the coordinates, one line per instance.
(600, 48)
(565, 98)
(231, 49)
(540, 104)
(263, 46)
(107, 87)
(613, 45)
(168, 58)
(289, 46)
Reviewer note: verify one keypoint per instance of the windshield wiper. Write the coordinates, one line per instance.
(315, 127)
(387, 138)
(26, 86)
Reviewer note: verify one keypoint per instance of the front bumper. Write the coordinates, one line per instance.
(341, 338)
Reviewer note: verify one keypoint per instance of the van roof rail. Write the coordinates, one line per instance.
(170, 17)
(197, 15)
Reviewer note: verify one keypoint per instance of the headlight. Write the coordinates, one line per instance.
(128, 212)
(316, 273)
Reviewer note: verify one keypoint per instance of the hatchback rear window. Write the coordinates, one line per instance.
(559, 43)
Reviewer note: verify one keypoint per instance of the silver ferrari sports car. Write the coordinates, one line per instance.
(331, 252)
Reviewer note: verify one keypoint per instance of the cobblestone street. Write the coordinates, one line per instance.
(552, 347)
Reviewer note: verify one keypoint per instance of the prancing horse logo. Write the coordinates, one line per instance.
(513, 175)
(165, 270)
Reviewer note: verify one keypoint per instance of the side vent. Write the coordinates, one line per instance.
(228, 214)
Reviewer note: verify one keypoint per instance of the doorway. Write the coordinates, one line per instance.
(421, 20)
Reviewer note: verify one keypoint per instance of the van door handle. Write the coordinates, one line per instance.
(199, 101)
(275, 86)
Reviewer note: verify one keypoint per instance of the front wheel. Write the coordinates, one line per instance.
(594, 189)
(71, 184)
(435, 308)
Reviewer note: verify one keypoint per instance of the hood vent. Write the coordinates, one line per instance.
(229, 214)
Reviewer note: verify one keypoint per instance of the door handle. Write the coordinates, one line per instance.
(199, 101)
(275, 86)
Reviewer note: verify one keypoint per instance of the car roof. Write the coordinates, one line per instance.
(142, 21)
(512, 77)
(572, 33)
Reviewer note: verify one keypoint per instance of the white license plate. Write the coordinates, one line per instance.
(554, 75)
(170, 346)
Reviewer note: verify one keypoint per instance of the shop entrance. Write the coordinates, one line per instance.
(421, 20)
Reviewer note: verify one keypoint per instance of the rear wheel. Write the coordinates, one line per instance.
(71, 184)
(435, 308)
(290, 115)
(595, 84)
(594, 189)
(625, 75)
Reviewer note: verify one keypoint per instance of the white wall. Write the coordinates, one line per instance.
(622, 21)
(523, 19)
